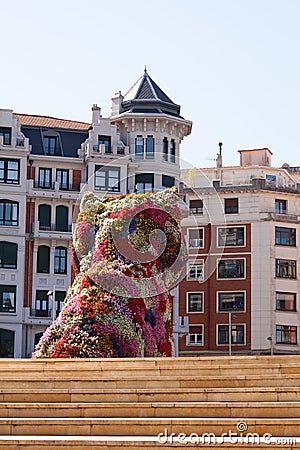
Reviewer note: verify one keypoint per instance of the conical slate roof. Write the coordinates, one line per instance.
(146, 96)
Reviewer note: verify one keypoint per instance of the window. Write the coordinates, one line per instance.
(286, 268)
(280, 206)
(271, 180)
(107, 178)
(231, 301)
(37, 338)
(196, 270)
(5, 133)
(139, 147)
(51, 145)
(285, 236)
(9, 171)
(60, 260)
(231, 237)
(231, 205)
(194, 302)
(44, 217)
(237, 334)
(286, 334)
(149, 147)
(144, 182)
(165, 149)
(106, 141)
(8, 255)
(9, 213)
(45, 178)
(7, 298)
(231, 268)
(43, 259)
(62, 177)
(59, 300)
(285, 301)
(41, 304)
(195, 335)
(167, 182)
(61, 219)
(7, 343)
(196, 206)
(196, 237)
(172, 151)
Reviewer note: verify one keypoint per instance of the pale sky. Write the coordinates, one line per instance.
(232, 65)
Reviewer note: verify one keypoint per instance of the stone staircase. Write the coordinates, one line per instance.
(150, 403)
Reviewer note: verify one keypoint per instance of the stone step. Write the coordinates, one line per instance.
(288, 427)
(266, 394)
(154, 409)
(133, 372)
(131, 443)
(187, 381)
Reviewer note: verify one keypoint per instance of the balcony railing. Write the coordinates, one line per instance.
(54, 227)
(69, 187)
(43, 185)
(20, 142)
(47, 313)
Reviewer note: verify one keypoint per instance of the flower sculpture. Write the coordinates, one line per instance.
(128, 254)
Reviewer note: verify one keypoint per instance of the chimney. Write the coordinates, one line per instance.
(96, 113)
(116, 103)
(219, 157)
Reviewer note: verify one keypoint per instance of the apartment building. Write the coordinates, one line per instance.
(241, 290)
(46, 164)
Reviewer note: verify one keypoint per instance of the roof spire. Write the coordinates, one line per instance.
(145, 70)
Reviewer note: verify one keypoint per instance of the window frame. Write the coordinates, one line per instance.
(286, 329)
(289, 265)
(5, 252)
(294, 301)
(14, 208)
(198, 311)
(201, 239)
(49, 149)
(43, 312)
(233, 329)
(195, 263)
(60, 261)
(236, 277)
(172, 151)
(8, 289)
(63, 186)
(167, 181)
(219, 245)
(6, 133)
(188, 337)
(6, 170)
(43, 259)
(227, 209)
(278, 206)
(101, 169)
(231, 293)
(197, 210)
(165, 149)
(106, 141)
(45, 178)
(279, 236)
(150, 182)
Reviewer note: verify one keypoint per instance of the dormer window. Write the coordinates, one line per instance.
(106, 141)
(5, 133)
(51, 145)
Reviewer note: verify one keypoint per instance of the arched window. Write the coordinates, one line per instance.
(61, 222)
(44, 217)
(60, 260)
(8, 255)
(9, 213)
(7, 343)
(43, 259)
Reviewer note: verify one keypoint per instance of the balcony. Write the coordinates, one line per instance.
(45, 313)
(282, 216)
(44, 185)
(114, 151)
(51, 231)
(69, 187)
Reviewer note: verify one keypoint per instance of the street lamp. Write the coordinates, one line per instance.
(270, 338)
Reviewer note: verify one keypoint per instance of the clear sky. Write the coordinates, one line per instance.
(232, 65)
